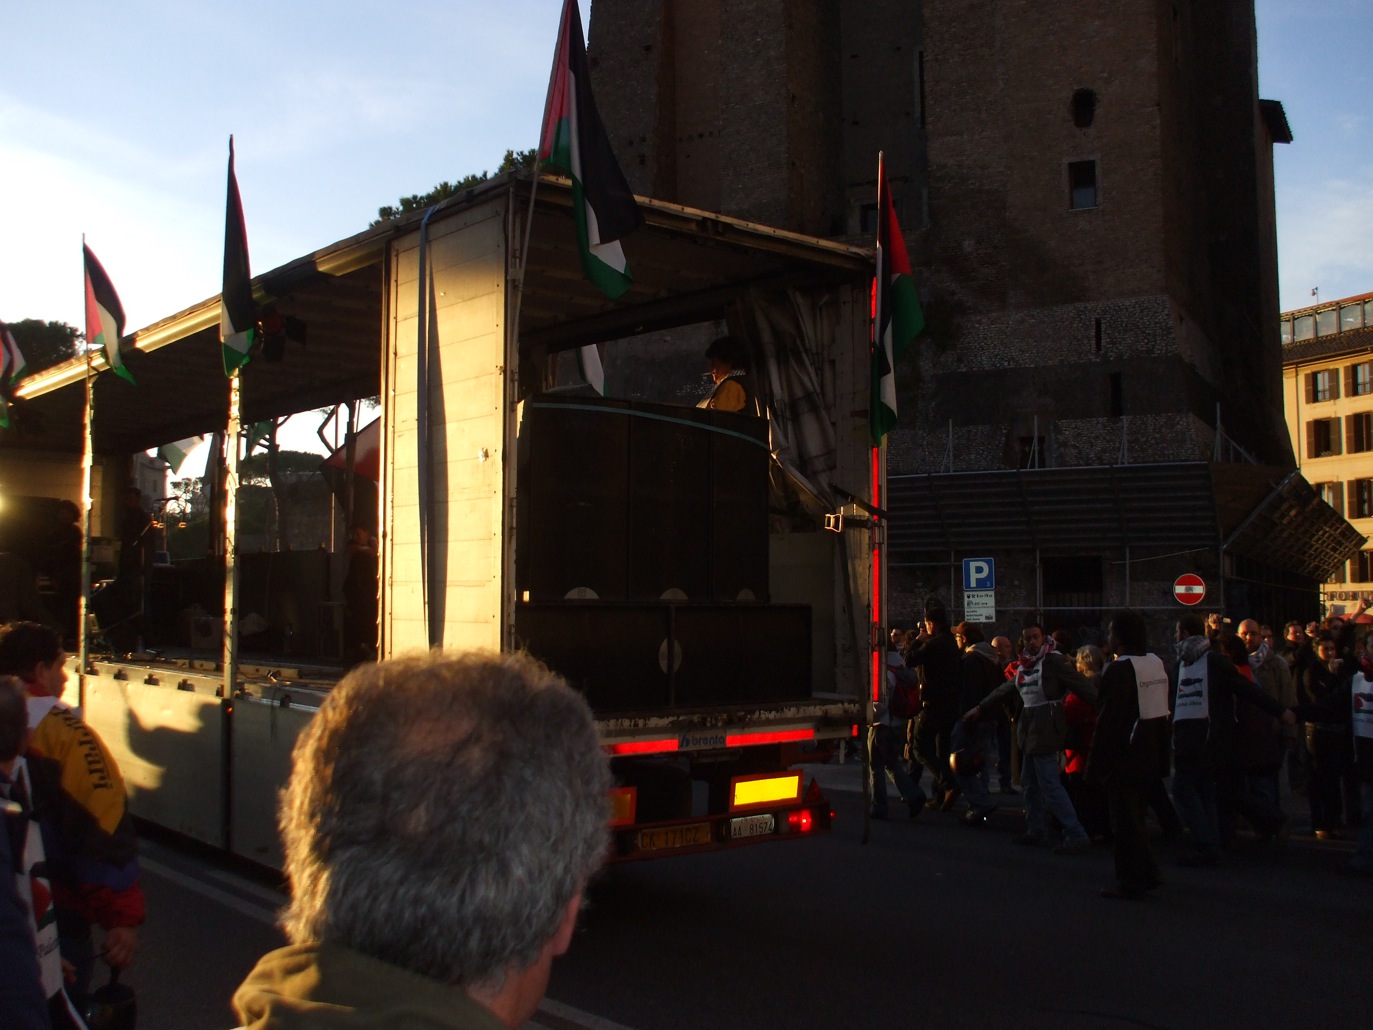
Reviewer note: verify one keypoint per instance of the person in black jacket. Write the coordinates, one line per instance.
(1129, 750)
(937, 656)
(1205, 689)
(1350, 704)
(974, 743)
(1327, 743)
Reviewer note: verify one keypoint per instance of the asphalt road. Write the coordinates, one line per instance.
(929, 924)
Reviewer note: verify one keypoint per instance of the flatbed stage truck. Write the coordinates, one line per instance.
(692, 572)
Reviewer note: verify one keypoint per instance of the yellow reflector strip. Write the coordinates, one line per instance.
(622, 804)
(766, 790)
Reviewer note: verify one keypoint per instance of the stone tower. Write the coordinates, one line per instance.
(1086, 191)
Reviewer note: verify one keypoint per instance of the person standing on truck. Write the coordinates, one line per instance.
(443, 815)
(88, 836)
(938, 658)
(733, 385)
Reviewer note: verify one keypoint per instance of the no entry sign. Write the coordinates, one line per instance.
(1189, 588)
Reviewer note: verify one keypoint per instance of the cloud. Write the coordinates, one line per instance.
(1327, 239)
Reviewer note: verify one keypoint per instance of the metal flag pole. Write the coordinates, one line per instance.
(232, 442)
(87, 470)
(519, 274)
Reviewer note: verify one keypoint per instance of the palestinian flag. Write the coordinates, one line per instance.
(896, 315)
(574, 141)
(104, 315)
(255, 435)
(237, 319)
(174, 454)
(12, 364)
(589, 365)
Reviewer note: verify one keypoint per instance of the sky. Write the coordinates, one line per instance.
(115, 118)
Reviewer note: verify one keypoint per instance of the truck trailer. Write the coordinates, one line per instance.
(704, 578)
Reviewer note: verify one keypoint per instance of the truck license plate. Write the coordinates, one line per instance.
(674, 837)
(751, 826)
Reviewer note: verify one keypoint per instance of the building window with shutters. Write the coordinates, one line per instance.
(1322, 386)
(1332, 494)
(1359, 431)
(1361, 379)
(1363, 567)
(1322, 437)
(1361, 498)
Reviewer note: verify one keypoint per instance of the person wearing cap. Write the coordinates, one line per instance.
(886, 740)
(733, 385)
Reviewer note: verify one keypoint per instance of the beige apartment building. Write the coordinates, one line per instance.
(1327, 352)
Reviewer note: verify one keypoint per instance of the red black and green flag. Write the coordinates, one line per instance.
(896, 315)
(12, 363)
(104, 314)
(12, 368)
(575, 142)
(237, 319)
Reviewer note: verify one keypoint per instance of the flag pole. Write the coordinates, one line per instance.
(534, 186)
(230, 501)
(87, 467)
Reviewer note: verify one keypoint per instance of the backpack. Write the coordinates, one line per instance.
(903, 700)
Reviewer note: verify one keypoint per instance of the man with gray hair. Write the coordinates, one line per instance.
(443, 816)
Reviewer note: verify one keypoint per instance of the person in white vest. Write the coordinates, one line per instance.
(1130, 750)
(1206, 688)
(1042, 680)
(1350, 704)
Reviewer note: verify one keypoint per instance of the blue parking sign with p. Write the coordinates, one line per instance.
(979, 574)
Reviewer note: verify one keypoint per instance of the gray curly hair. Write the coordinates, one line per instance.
(442, 812)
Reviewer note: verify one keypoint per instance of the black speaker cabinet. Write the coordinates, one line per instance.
(573, 482)
(738, 508)
(669, 504)
(740, 653)
(609, 652)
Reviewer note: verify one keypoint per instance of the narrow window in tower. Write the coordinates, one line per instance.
(1084, 107)
(1082, 188)
(920, 88)
(1115, 398)
(1096, 331)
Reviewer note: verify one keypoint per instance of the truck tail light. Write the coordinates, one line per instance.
(801, 821)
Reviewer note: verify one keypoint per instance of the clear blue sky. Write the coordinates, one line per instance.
(114, 121)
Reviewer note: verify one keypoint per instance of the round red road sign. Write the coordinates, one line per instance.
(1189, 589)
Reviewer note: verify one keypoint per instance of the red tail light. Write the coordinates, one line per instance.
(801, 822)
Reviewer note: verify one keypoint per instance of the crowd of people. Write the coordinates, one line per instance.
(1093, 734)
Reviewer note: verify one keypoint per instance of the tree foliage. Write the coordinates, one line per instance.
(523, 159)
(45, 344)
